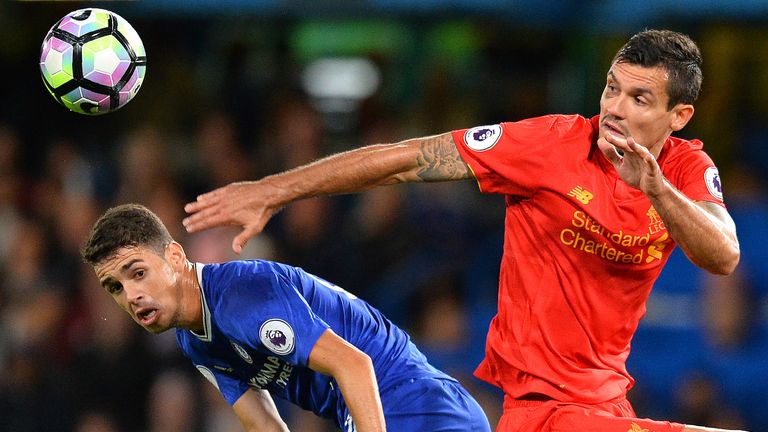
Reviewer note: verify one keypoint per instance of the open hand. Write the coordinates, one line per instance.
(241, 204)
(635, 164)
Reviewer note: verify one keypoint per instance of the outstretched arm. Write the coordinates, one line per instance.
(703, 230)
(690, 428)
(257, 412)
(353, 371)
(250, 205)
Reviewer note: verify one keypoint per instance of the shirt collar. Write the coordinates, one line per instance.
(206, 335)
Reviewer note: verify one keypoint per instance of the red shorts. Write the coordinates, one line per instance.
(554, 416)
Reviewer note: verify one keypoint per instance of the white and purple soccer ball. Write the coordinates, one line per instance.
(92, 61)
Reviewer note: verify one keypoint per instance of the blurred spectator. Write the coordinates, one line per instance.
(111, 365)
(219, 416)
(94, 421)
(730, 310)
(221, 151)
(10, 188)
(172, 405)
(145, 165)
(35, 304)
(700, 401)
(441, 326)
(35, 395)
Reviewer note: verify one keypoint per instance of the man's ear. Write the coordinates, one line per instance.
(175, 255)
(681, 115)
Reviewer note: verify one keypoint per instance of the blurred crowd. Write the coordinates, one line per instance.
(223, 102)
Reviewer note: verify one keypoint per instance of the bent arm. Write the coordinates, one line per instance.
(353, 371)
(691, 428)
(250, 205)
(703, 230)
(257, 412)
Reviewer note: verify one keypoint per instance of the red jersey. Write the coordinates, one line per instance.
(582, 250)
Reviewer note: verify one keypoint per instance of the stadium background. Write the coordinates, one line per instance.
(234, 91)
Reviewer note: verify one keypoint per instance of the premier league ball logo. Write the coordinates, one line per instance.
(482, 138)
(482, 134)
(712, 179)
(277, 335)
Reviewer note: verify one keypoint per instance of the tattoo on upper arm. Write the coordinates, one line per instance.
(439, 159)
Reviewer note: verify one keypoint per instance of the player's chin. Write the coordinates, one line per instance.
(156, 329)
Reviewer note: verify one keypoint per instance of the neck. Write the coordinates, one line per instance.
(658, 147)
(190, 292)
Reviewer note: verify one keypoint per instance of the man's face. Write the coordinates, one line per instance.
(144, 285)
(634, 103)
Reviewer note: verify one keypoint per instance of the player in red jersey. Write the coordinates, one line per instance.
(593, 209)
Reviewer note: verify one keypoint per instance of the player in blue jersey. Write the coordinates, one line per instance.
(257, 329)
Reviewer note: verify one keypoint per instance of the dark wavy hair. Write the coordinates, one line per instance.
(127, 225)
(675, 52)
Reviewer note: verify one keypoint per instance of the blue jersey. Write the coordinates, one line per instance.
(261, 320)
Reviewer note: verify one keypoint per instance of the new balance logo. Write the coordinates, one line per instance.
(582, 195)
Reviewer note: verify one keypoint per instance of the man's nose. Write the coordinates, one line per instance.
(132, 292)
(616, 106)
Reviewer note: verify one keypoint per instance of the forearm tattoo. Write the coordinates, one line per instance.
(439, 160)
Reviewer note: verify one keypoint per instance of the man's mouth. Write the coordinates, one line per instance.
(613, 130)
(147, 316)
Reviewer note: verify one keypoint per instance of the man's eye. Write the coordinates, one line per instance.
(140, 273)
(114, 289)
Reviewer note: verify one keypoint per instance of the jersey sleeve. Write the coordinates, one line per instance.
(695, 175)
(266, 312)
(230, 387)
(508, 158)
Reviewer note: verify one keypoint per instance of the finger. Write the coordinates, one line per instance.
(238, 243)
(613, 156)
(646, 156)
(203, 201)
(650, 162)
(204, 219)
(635, 146)
(640, 150)
(192, 207)
(196, 206)
(620, 143)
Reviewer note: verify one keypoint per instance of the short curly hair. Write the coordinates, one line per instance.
(675, 52)
(127, 225)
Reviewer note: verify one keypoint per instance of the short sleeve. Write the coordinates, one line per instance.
(231, 388)
(512, 158)
(266, 312)
(694, 174)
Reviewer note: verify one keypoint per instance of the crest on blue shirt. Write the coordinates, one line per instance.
(277, 335)
(242, 352)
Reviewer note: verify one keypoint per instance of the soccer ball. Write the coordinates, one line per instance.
(92, 61)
